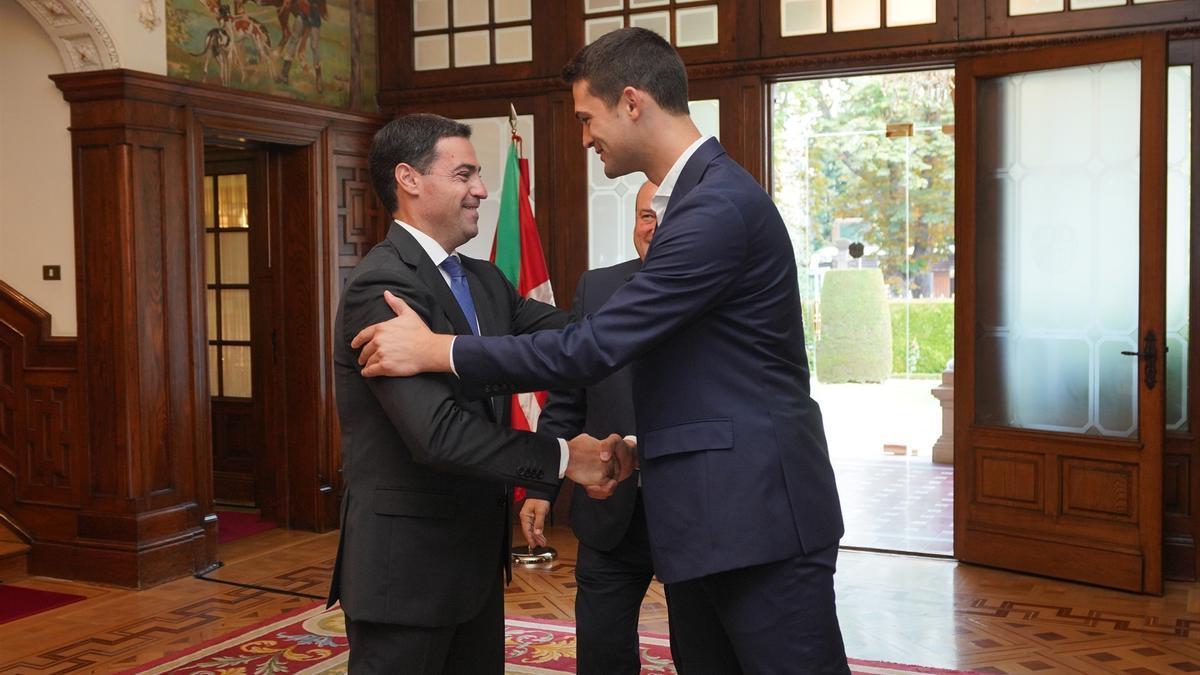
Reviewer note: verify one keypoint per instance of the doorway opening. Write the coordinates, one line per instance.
(862, 170)
(239, 291)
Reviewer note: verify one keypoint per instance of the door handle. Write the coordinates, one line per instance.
(1149, 354)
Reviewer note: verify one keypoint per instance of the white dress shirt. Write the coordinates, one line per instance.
(663, 194)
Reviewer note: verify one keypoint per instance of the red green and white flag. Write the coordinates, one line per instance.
(517, 251)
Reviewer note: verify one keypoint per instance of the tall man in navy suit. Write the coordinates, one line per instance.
(740, 496)
(614, 565)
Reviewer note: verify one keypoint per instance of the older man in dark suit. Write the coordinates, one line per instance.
(740, 495)
(613, 568)
(425, 515)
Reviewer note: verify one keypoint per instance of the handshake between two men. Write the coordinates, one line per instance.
(395, 347)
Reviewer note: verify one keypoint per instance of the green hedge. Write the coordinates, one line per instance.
(855, 344)
(931, 335)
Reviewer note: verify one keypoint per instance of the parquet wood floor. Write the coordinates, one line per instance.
(892, 608)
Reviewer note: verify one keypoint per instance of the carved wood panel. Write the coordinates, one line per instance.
(361, 220)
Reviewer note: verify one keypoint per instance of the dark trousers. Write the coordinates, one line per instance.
(774, 618)
(475, 646)
(610, 587)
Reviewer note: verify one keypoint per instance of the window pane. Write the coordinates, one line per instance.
(472, 49)
(696, 26)
(1179, 244)
(514, 45)
(592, 6)
(431, 52)
(1088, 4)
(235, 260)
(1058, 170)
(1019, 7)
(231, 201)
(802, 17)
(211, 307)
(594, 28)
(235, 314)
(210, 258)
(911, 12)
(638, 4)
(430, 15)
(214, 362)
(511, 10)
(235, 368)
(470, 13)
(208, 201)
(855, 15)
(659, 22)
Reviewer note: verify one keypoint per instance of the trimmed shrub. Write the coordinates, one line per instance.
(856, 333)
(930, 341)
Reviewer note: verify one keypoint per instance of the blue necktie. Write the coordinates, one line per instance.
(461, 291)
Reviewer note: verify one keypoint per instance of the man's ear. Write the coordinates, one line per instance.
(406, 178)
(632, 102)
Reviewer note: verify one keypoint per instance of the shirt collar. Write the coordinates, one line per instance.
(663, 195)
(433, 249)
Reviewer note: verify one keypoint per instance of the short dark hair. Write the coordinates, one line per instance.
(631, 57)
(411, 140)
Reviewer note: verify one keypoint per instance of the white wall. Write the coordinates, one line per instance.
(36, 213)
(36, 200)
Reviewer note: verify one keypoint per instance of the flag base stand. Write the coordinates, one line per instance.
(523, 555)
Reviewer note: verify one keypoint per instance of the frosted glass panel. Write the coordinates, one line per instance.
(1019, 7)
(514, 45)
(1179, 243)
(591, 6)
(911, 12)
(472, 49)
(235, 261)
(470, 12)
(659, 22)
(235, 366)
(1088, 4)
(491, 137)
(210, 259)
(611, 201)
(210, 297)
(431, 52)
(235, 314)
(1142, 2)
(639, 4)
(511, 10)
(208, 201)
(855, 15)
(594, 28)
(430, 15)
(801, 17)
(232, 201)
(1058, 235)
(696, 26)
(214, 363)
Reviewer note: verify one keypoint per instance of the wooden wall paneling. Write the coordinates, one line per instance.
(1000, 24)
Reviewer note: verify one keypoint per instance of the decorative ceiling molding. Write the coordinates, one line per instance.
(81, 38)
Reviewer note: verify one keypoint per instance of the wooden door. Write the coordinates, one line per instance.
(1060, 317)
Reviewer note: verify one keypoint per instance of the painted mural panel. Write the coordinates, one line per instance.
(321, 51)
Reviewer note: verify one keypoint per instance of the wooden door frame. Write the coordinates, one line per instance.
(1049, 559)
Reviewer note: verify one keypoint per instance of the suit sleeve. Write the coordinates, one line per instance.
(695, 262)
(425, 411)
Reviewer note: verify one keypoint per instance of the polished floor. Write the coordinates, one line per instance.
(892, 608)
(897, 503)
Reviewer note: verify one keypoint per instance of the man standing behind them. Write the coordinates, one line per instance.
(613, 568)
(425, 515)
(740, 496)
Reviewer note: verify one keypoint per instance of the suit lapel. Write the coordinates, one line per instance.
(414, 256)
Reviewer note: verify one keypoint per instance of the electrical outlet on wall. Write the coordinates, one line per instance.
(52, 272)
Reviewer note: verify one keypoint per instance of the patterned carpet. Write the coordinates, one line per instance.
(312, 641)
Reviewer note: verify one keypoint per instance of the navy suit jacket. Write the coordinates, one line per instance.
(735, 469)
(601, 409)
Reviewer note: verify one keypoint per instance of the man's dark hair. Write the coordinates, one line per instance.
(411, 140)
(631, 57)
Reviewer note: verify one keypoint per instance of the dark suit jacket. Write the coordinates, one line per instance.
(425, 515)
(601, 409)
(735, 469)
